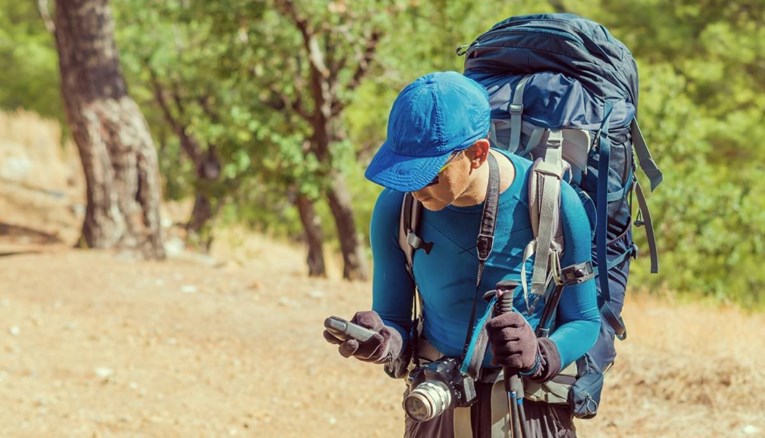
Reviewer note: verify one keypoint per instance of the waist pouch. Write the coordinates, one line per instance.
(579, 386)
(555, 390)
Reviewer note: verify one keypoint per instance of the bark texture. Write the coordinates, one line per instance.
(314, 236)
(117, 153)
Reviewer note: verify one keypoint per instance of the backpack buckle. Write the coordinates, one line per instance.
(545, 168)
(484, 245)
(417, 242)
(555, 139)
(515, 108)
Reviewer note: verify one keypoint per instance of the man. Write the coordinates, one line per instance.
(438, 150)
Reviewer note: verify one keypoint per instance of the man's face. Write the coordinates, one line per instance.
(452, 181)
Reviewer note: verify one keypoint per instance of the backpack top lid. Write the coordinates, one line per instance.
(562, 43)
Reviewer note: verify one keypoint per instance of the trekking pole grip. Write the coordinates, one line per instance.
(513, 383)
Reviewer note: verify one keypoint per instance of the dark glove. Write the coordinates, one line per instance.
(384, 345)
(516, 348)
(513, 342)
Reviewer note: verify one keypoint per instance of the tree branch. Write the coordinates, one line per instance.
(318, 71)
(558, 6)
(315, 55)
(362, 68)
(44, 11)
(189, 144)
(204, 102)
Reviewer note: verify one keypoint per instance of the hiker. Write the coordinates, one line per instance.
(438, 150)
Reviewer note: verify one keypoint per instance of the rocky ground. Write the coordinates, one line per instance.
(98, 344)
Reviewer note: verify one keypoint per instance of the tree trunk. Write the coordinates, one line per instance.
(206, 207)
(198, 233)
(314, 236)
(116, 150)
(354, 265)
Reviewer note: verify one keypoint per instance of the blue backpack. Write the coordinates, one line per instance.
(564, 93)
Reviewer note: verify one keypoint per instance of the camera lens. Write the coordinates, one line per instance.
(427, 401)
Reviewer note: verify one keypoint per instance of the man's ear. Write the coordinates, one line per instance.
(479, 153)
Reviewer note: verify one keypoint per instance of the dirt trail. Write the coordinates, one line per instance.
(97, 344)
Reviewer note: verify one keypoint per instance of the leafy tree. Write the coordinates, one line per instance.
(171, 52)
(258, 111)
(702, 109)
(303, 61)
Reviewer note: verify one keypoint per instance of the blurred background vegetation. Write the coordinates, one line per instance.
(233, 79)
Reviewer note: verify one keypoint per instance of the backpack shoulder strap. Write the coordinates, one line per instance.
(408, 225)
(545, 179)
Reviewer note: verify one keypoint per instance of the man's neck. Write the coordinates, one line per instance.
(479, 181)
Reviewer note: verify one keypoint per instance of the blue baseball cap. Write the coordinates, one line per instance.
(434, 116)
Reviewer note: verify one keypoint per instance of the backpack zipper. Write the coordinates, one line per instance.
(534, 29)
(462, 50)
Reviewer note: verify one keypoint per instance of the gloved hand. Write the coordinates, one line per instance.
(516, 347)
(381, 347)
(513, 342)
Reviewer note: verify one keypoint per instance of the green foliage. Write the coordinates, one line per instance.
(29, 73)
(702, 109)
(233, 71)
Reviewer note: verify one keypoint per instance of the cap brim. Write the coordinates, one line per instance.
(401, 172)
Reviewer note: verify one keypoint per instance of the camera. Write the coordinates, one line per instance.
(436, 387)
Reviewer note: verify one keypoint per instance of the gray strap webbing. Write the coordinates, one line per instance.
(534, 139)
(408, 222)
(515, 108)
(550, 172)
(409, 241)
(648, 228)
(493, 134)
(644, 156)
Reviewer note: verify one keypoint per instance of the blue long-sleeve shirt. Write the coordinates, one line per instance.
(446, 277)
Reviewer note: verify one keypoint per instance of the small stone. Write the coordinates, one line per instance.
(14, 330)
(174, 247)
(751, 430)
(188, 289)
(104, 372)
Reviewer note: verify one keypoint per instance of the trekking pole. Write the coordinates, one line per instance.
(513, 384)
